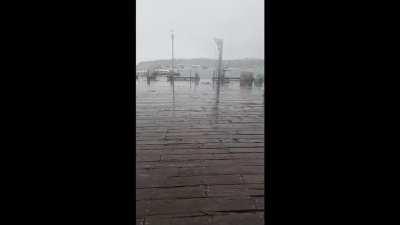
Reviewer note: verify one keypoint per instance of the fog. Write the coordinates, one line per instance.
(195, 23)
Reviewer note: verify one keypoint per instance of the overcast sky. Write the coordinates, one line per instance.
(196, 22)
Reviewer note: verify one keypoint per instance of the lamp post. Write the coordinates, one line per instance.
(219, 44)
(172, 61)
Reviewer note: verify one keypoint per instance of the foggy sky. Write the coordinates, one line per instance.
(195, 23)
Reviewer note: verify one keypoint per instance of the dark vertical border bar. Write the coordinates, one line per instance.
(268, 61)
(131, 133)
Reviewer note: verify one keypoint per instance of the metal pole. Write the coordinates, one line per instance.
(172, 38)
(220, 64)
(219, 43)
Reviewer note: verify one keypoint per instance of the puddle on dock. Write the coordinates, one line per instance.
(198, 105)
(187, 92)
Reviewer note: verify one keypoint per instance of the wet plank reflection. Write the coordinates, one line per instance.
(199, 151)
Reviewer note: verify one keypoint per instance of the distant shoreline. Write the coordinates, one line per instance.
(208, 62)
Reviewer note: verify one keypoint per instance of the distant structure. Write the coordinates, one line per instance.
(141, 72)
(246, 78)
(161, 71)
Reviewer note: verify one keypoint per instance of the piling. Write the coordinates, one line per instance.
(258, 81)
(246, 78)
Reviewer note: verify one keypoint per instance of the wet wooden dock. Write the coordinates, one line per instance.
(199, 154)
